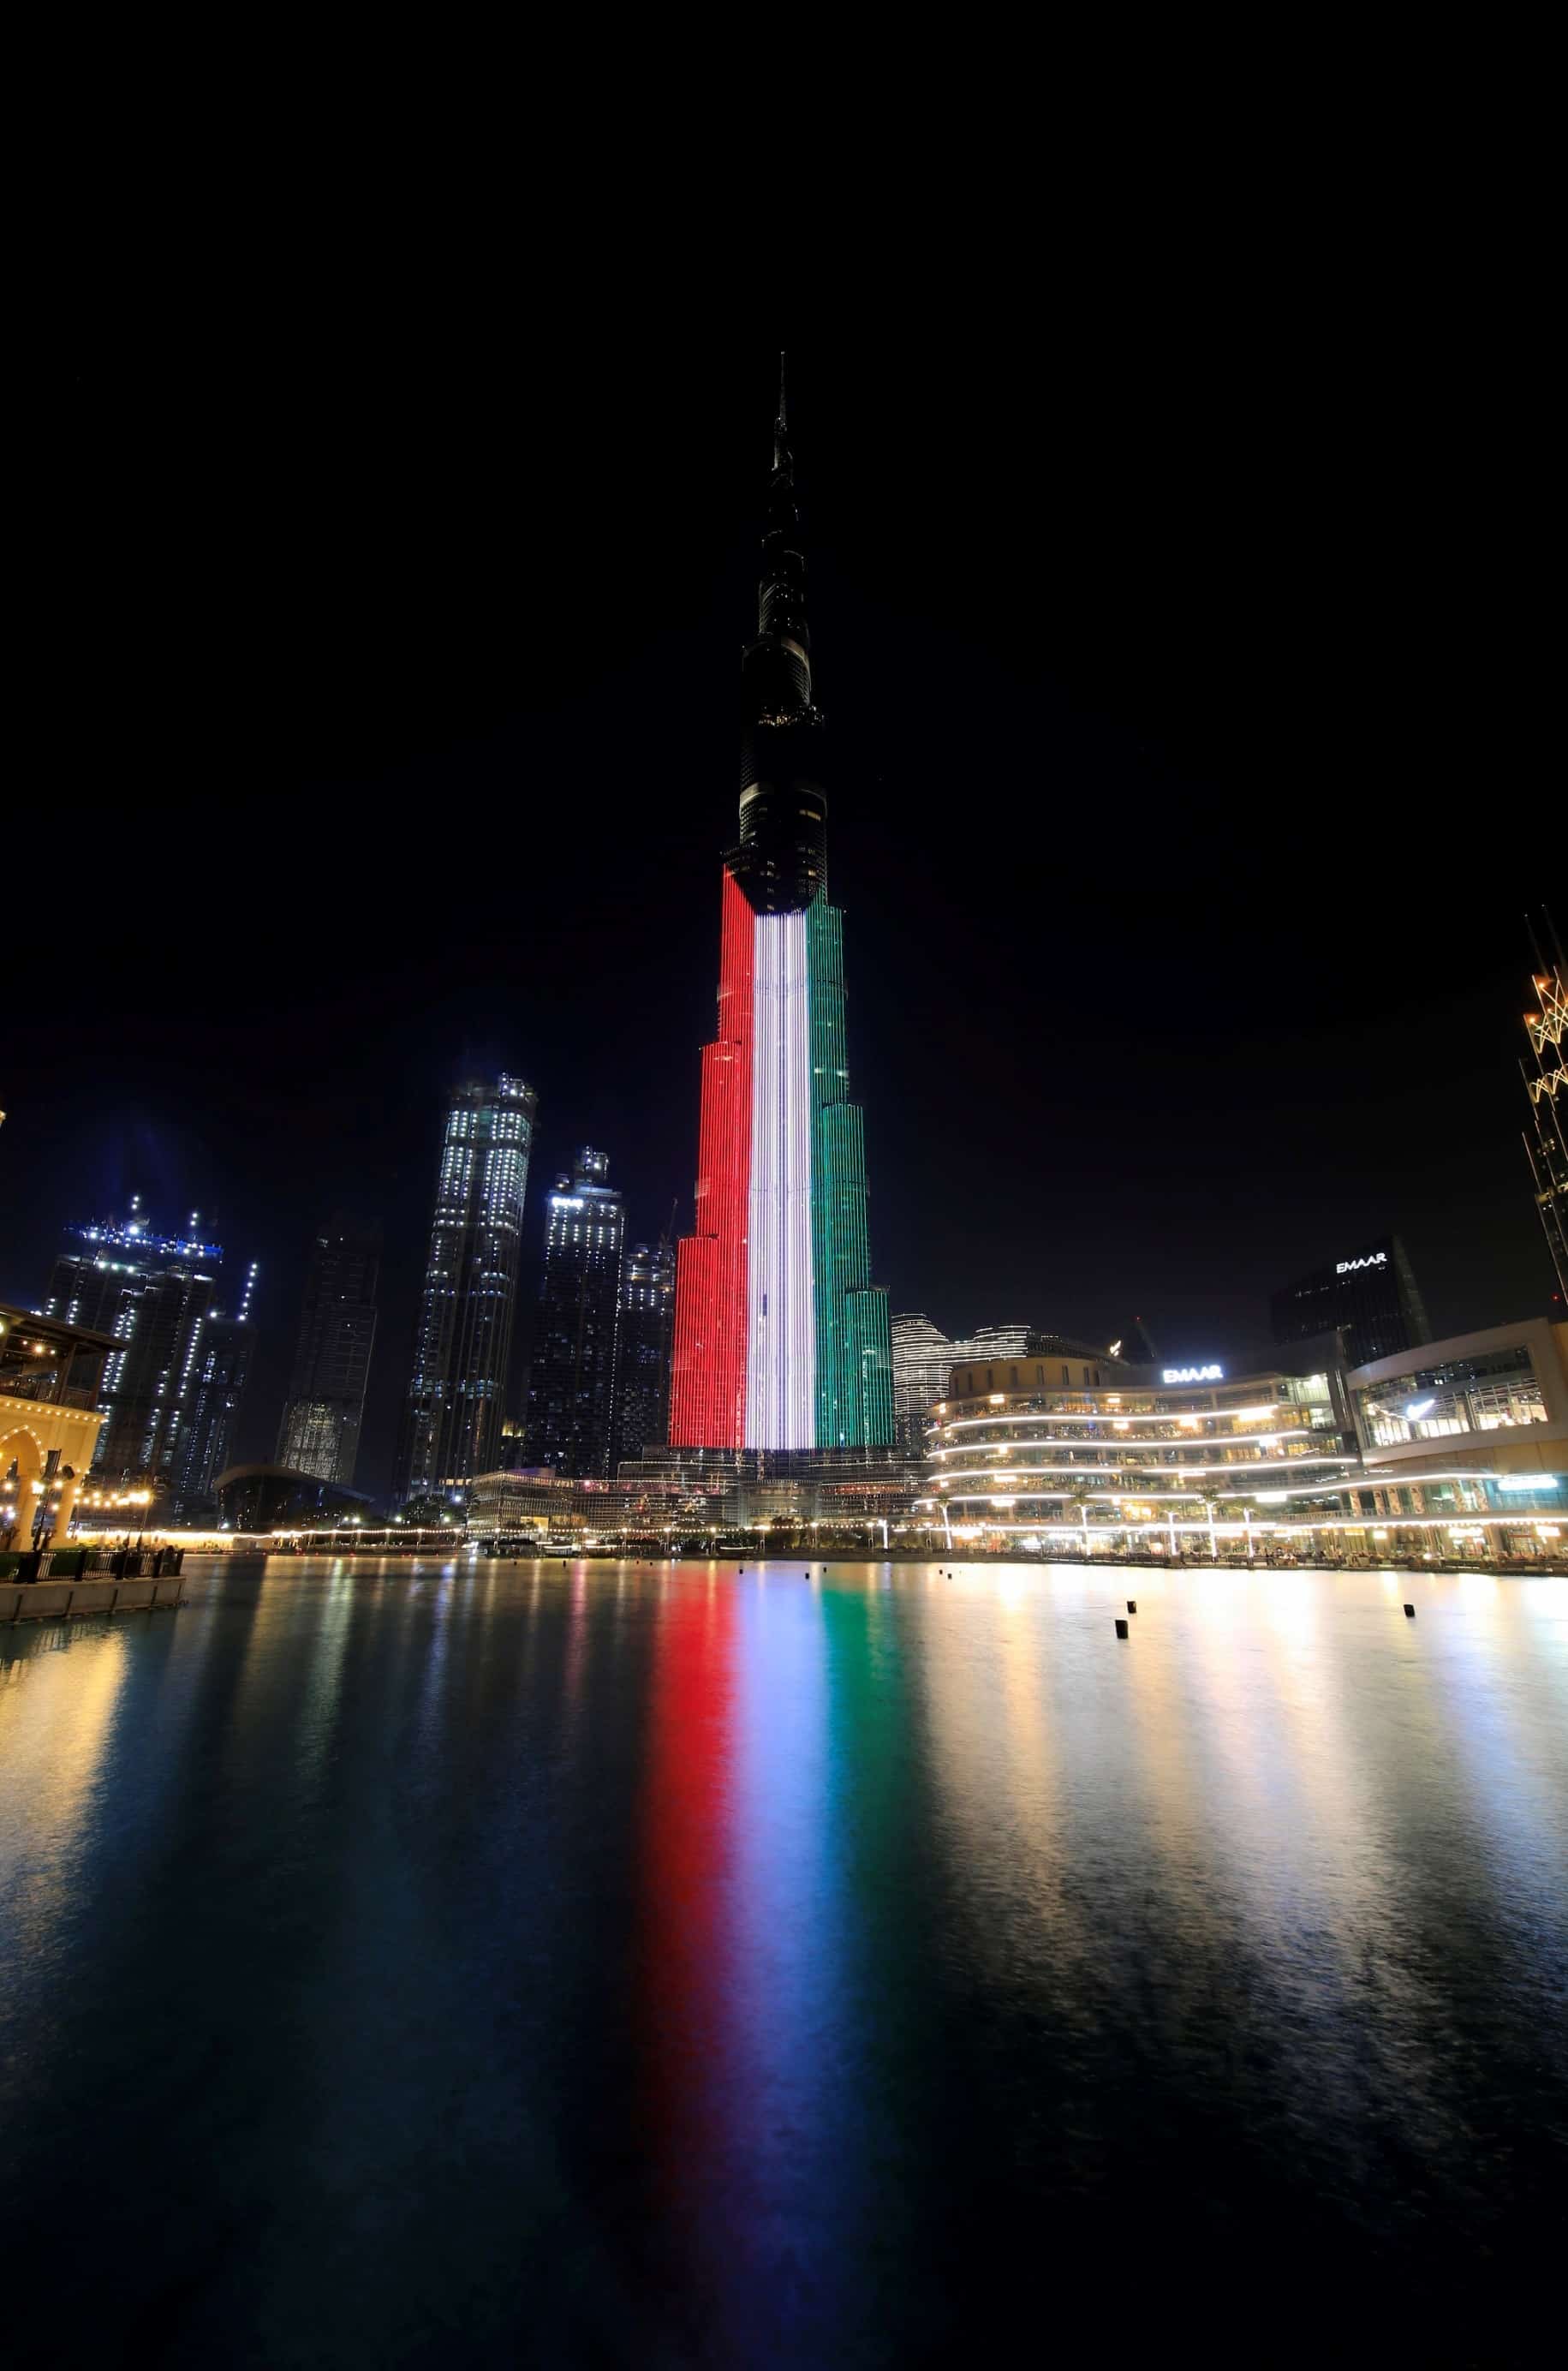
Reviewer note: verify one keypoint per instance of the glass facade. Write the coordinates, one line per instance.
(160, 1296)
(642, 1357)
(571, 1396)
(1367, 1295)
(853, 1358)
(208, 1444)
(463, 1345)
(1481, 1393)
(923, 1361)
(320, 1429)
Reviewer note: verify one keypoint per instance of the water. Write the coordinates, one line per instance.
(510, 1964)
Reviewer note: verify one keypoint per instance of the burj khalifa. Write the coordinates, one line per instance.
(780, 1336)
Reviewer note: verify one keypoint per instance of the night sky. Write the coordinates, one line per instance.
(1173, 803)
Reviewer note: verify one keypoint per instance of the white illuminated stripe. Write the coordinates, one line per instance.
(781, 1311)
(1171, 1470)
(1020, 1472)
(1122, 1441)
(1233, 1531)
(1240, 1466)
(1106, 1414)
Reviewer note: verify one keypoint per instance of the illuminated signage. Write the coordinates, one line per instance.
(1370, 1259)
(1419, 1407)
(1528, 1481)
(1195, 1374)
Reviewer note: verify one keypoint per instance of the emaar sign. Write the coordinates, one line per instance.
(1370, 1259)
(1195, 1374)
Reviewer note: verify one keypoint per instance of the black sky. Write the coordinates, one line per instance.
(1179, 799)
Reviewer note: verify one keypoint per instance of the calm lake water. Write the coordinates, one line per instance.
(610, 1964)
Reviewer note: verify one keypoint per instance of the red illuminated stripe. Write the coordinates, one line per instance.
(707, 1387)
(684, 1996)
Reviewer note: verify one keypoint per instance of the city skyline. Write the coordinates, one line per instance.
(1168, 1083)
(760, 1665)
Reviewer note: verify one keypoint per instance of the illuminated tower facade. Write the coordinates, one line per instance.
(643, 1352)
(463, 1349)
(780, 1336)
(571, 1393)
(207, 1444)
(1546, 1081)
(160, 1297)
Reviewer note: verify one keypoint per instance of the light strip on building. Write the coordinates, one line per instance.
(782, 1342)
(707, 1391)
(1120, 1439)
(1106, 1414)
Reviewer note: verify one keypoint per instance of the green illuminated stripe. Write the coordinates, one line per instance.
(854, 1361)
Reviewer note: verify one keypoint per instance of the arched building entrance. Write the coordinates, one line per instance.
(50, 1377)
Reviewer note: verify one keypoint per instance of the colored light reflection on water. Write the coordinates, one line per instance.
(651, 1965)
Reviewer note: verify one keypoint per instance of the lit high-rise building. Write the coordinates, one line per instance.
(643, 1354)
(1367, 1295)
(923, 1359)
(780, 1338)
(1546, 1081)
(158, 1294)
(320, 1429)
(462, 1347)
(571, 1392)
(222, 1370)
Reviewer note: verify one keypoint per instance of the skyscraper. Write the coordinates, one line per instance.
(320, 1429)
(643, 1354)
(923, 1359)
(463, 1344)
(571, 1393)
(158, 1294)
(1546, 1083)
(782, 1339)
(222, 1370)
(1367, 1295)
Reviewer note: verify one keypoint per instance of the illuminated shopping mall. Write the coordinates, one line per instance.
(1450, 1449)
(1077, 1451)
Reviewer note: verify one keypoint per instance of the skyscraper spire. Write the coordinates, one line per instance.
(781, 861)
